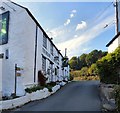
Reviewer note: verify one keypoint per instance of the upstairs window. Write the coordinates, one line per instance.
(44, 41)
(4, 23)
(7, 54)
(51, 49)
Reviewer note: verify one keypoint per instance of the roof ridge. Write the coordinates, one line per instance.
(116, 36)
(37, 23)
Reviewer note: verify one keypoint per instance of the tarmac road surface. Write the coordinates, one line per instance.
(75, 96)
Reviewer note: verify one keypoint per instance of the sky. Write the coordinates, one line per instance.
(78, 26)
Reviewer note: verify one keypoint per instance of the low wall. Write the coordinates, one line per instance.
(107, 97)
(40, 94)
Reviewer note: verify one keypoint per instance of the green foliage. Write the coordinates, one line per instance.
(71, 77)
(86, 60)
(93, 70)
(51, 84)
(38, 87)
(84, 74)
(109, 67)
(75, 73)
(87, 78)
(73, 63)
(82, 61)
(34, 88)
(84, 71)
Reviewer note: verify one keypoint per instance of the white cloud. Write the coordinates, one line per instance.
(72, 15)
(67, 22)
(56, 32)
(76, 45)
(82, 25)
(75, 36)
(74, 11)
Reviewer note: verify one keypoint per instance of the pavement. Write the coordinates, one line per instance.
(75, 96)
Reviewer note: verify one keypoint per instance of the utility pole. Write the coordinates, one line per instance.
(15, 79)
(117, 18)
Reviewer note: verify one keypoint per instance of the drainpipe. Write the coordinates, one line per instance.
(35, 58)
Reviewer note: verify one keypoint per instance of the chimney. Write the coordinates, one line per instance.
(65, 52)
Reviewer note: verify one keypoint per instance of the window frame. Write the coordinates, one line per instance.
(3, 16)
(44, 41)
(44, 64)
(51, 48)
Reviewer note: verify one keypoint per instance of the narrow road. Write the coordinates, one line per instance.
(75, 96)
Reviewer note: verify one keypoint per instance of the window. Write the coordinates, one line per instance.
(4, 21)
(55, 71)
(44, 64)
(44, 41)
(51, 49)
(7, 54)
(2, 56)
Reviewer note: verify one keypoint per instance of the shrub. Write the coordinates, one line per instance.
(34, 88)
(41, 79)
(84, 71)
(49, 88)
(87, 78)
(38, 87)
(93, 70)
(109, 67)
(51, 84)
(71, 77)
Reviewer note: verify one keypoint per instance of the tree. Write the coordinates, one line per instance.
(86, 60)
(82, 60)
(73, 63)
(93, 70)
(84, 71)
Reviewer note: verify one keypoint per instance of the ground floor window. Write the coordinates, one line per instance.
(43, 64)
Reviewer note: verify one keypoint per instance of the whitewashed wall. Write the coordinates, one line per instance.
(113, 46)
(21, 46)
(39, 51)
(22, 31)
(0, 79)
(119, 40)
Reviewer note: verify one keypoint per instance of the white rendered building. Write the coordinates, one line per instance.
(24, 43)
(115, 42)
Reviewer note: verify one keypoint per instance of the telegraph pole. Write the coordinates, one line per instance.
(117, 18)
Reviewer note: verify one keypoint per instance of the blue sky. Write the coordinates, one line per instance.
(77, 26)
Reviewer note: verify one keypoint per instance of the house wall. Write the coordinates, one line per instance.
(66, 72)
(119, 40)
(114, 45)
(0, 79)
(21, 44)
(39, 51)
